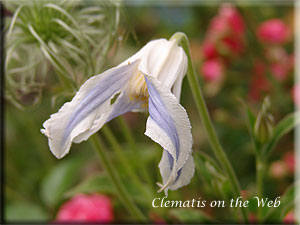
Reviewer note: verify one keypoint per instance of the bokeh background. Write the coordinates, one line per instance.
(242, 54)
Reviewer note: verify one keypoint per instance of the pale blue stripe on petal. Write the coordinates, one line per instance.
(123, 105)
(171, 161)
(158, 112)
(99, 94)
(178, 174)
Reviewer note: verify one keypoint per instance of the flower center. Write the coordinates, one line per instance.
(138, 88)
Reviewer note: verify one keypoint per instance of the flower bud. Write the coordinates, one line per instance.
(263, 128)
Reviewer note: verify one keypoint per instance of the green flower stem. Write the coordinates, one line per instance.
(115, 179)
(119, 153)
(182, 39)
(130, 139)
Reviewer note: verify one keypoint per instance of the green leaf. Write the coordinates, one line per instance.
(190, 216)
(24, 212)
(251, 117)
(94, 183)
(212, 175)
(59, 180)
(283, 127)
(208, 168)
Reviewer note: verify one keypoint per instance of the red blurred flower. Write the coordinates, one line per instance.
(233, 44)
(86, 208)
(209, 50)
(289, 159)
(273, 31)
(296, 94)
(289, 218)
(252, 217)
(212, 70)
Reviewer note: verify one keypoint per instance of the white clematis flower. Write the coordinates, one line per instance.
(149, 80)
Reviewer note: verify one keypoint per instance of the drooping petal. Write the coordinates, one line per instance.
(123, 105)
(169, 126)
(88, 110)
(184, 174)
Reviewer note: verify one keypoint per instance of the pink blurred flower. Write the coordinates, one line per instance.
(228, 21)
(212, 70)
(289, 218)
(86, 208)
(273, 31)
(225, 34)
(289, 159)
(230, 14)
(218, 28)
(278, 169)
(296, 94)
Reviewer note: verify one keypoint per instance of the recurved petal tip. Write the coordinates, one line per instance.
(168, 125)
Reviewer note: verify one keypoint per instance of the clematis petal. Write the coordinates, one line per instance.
(164, 60)
(88, 110)
(169, 126)
(184, 175)
(123, 105)
(176, 89)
